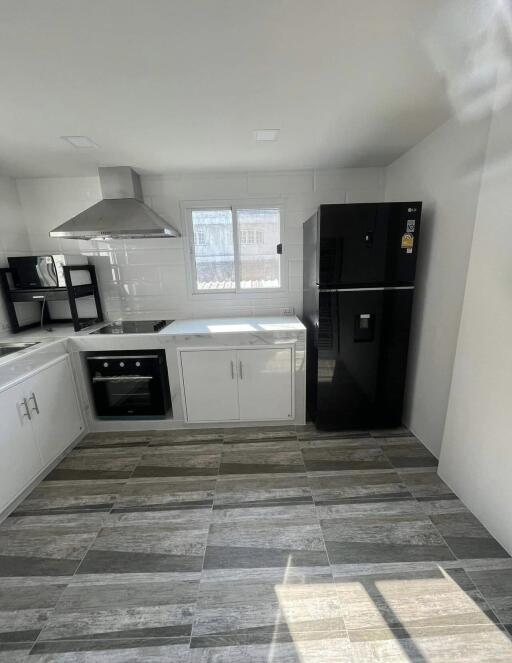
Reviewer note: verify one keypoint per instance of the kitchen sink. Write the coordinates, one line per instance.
(6, 348)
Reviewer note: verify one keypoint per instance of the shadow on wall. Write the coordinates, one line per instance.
(470, 76)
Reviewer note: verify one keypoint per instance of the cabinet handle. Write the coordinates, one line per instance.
(241, 370)
(25, 405)
(34, 399)
(232, 370)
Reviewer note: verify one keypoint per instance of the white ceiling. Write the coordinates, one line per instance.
(180, 85)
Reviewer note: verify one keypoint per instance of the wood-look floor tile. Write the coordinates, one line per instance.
(339, 443)
(61, 497)
(187, 438)
(25, 609)
(336, 459)
(424, 482)
(114, 440)
(258, 611)
(261, 462)
(406, 599)
(383, 538)
(165, 491)
(146, 548)
(310, 432)
(97, 464)
(340, 487)
(143, 608)
(302, 648)
(259, 433)
(407, 452)
(495, 584)
(103, 562)
(130, 650)
(438, 644)
(14, 652)
(264, 445)
(198, 460)
(46, 550)
(466, 536)
(265, 543)
(262, 496)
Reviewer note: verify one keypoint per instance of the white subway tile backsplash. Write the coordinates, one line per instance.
(146, 273)
(153, 257)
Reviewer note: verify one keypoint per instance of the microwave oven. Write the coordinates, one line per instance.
(46, 271)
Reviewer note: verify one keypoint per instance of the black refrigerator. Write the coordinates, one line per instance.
(359, 268)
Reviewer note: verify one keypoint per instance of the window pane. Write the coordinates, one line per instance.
(258, 237)
(213, 249)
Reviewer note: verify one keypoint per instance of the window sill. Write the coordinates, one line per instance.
(248, 291)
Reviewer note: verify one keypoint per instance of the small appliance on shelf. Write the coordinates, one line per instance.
(47, 271)
(48, 280)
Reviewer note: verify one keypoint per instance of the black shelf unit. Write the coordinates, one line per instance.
(44, 295)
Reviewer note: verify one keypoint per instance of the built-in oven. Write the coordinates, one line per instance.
(129, 384)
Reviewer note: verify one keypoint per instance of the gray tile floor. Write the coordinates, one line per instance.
(258, 545)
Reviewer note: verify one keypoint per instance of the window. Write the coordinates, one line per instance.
(199, 236)
(214, 258)
(251, 236)
(235, 249)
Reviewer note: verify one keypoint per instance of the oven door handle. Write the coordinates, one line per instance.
(123, 378)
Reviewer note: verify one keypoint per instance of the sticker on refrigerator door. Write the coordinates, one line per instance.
(407, 241)
(411, 225)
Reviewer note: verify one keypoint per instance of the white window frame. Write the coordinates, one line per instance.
(187, 207)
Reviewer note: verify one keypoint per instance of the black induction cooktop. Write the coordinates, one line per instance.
(133, 327)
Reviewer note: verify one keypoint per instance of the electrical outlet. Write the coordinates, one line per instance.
(287, 310)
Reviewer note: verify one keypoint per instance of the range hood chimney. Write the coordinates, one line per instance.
(121, 214)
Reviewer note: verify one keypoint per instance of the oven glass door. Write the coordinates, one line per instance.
(126, 395)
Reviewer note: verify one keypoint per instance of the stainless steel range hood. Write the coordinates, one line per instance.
(121, 214)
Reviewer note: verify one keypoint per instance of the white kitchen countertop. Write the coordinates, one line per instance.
(188, 327)
(259, 324)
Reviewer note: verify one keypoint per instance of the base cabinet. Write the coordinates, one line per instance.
(40, 417)
(56, 416)
(265, 384)
(210, 385)
(254, 384)
(21, 458)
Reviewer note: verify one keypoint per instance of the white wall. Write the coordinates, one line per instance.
(13, 235)
(147, 278)
(476, 457)
(444, 171)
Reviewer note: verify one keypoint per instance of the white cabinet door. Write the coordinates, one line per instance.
(210, 385)
(56, 416)
(20, 460)
(265, 384)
